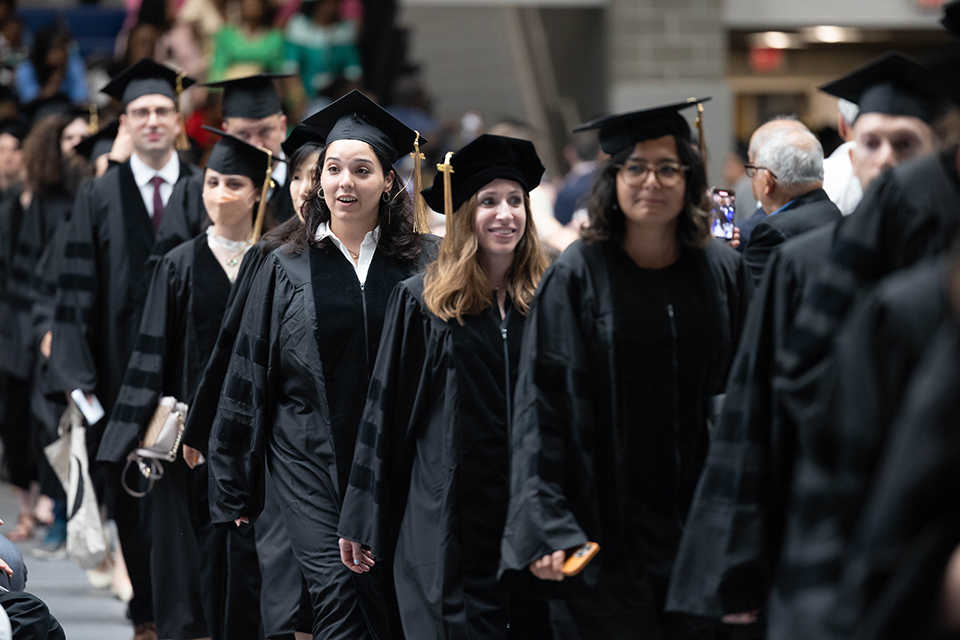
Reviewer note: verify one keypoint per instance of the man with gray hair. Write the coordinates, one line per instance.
(787, 179)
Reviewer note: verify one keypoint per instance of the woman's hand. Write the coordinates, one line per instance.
(241, 520)
(550, 567)
(355, 557)
(191, 456)
(46, 344)
(745, 617)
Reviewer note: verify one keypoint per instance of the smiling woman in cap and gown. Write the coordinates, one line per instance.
(297, 380)
(200, 588)
(430, 480)
(628, 341)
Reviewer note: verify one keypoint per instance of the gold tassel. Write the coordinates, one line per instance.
(420, 224)
(94, 125)
(447, 170)
(698, 123)
(261, 210)
(183, 143)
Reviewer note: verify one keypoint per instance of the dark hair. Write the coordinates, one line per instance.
(53, 34)
(397, 237)
(280, 235)
(42, 157)
(606, 220)
(267, 14)
(304, 152)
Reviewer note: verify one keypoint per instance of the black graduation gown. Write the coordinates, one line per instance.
(430, 480)
(572, 459)
(909, 527)
(282, 586)
(292, 398)
(102, 285)
(876, 354)
(25, 234)
(196, 582)
(908, 213)
(735, 525)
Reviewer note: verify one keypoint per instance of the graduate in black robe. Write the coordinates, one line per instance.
(204, 584)
(30, 213)
(907, 214)
(283, 591)
(251, 109)
(891, 586)
(620, 367)
(430, 481)
(104, 281)
(297, 379)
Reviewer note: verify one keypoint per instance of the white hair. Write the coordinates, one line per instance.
(793, 155)
(848, 110)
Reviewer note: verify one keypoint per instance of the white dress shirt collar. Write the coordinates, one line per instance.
(143, 173)
(367, 248)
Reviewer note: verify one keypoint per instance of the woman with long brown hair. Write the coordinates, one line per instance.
(629, 340)
(30, 214)
(430, 480)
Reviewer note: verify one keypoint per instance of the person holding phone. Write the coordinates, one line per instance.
(627, 344)
(430, 480)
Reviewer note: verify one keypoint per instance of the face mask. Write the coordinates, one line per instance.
(225, 208)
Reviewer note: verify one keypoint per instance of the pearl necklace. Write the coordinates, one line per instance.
(236, 247)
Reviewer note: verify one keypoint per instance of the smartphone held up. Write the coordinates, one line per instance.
(724, 206)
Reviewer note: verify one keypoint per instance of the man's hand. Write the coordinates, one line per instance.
(550, 567)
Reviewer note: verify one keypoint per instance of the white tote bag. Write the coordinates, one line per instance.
(86, 545)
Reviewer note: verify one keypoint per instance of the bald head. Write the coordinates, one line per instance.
(763, 133)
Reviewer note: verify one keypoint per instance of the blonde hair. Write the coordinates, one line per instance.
(457, 286)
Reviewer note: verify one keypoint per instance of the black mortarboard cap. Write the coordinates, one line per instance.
(251, 97)
(12, 127)
(357, 117)
(617, 132)
(951, 17)
(146, 78)
(38, 109)
(301, 135)
(893, 84)
(235, 156)
(483, 160)
(99, 143)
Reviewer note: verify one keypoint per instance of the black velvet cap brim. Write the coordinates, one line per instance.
(951, 17)
(893, 84)
(617, 132)
(482, 161)
(357, 117)
(252, 97)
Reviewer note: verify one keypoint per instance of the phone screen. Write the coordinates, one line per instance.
(724, 207)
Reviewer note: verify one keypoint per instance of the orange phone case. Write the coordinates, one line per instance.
(580, 558)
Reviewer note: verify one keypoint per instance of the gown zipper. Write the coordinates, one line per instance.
(506, 369)
(676, 413)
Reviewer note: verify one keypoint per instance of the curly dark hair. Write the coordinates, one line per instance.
(606, 219)
(397, 236)
(42, 158)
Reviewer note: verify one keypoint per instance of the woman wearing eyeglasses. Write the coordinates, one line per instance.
(628, 343)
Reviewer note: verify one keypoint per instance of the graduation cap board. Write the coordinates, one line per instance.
(99, 143)
(252, 97)
(148, 78)
(234, 156)
(617, 132)
(357, 117)
(893, 84)
(478, 163)
(301, 135)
